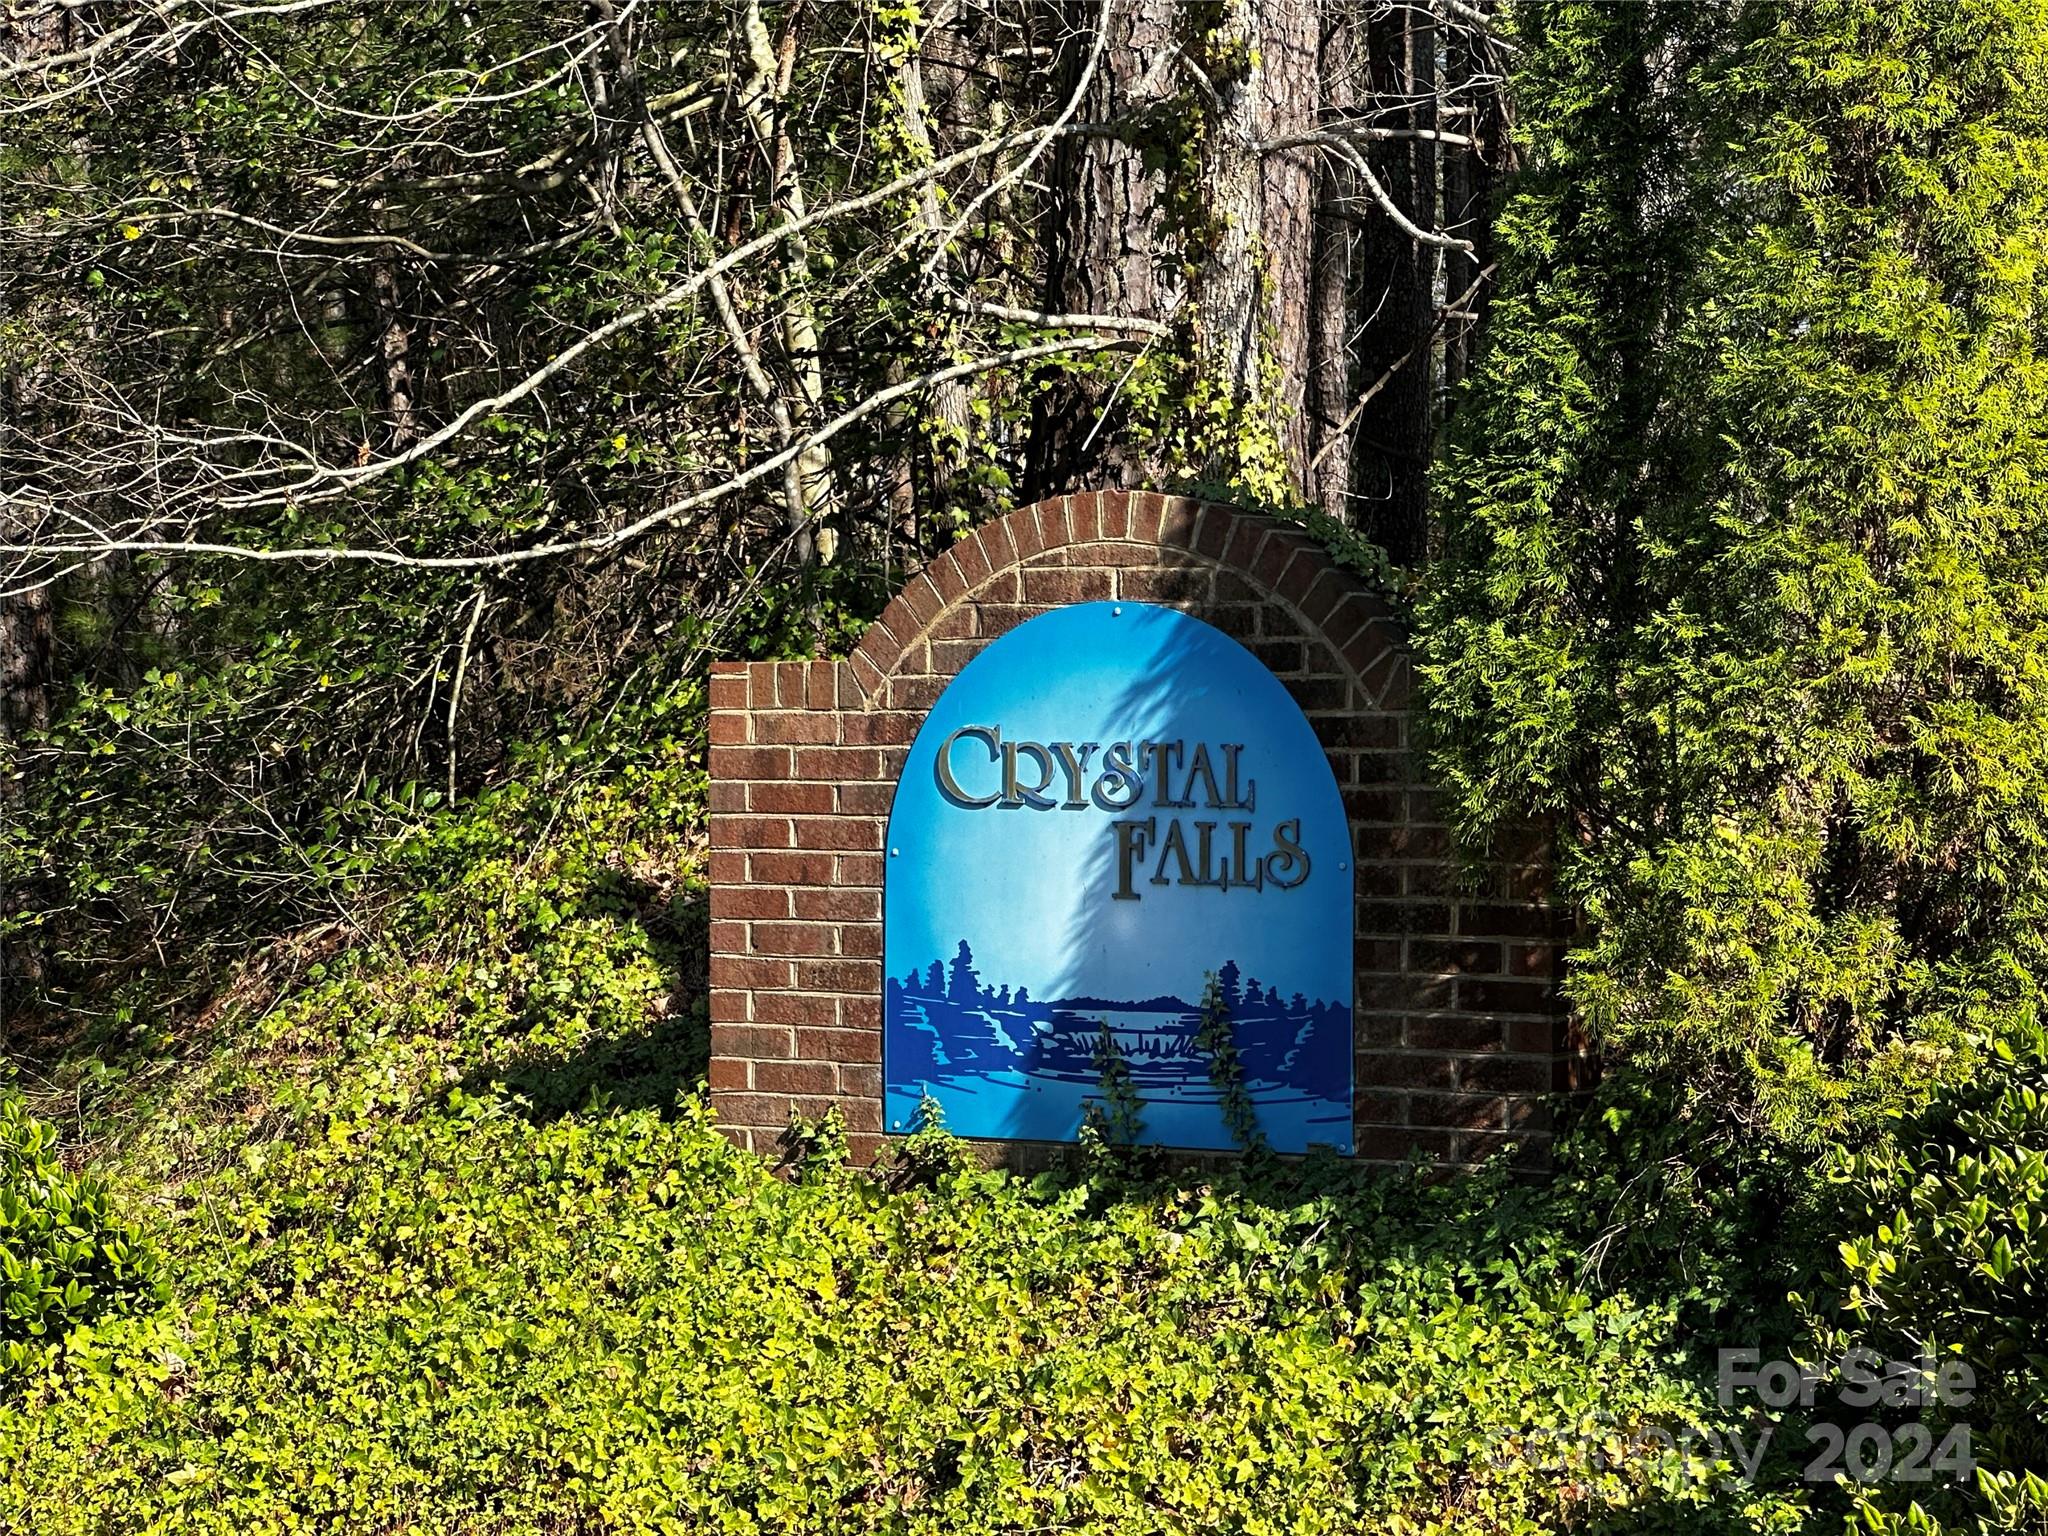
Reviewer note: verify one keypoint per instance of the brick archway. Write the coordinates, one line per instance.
(1459, 1035)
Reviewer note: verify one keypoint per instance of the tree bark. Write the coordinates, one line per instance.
(1109, 249)
(1399, 295)
(1331, 282)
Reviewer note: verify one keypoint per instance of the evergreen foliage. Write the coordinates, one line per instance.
(1744, 582)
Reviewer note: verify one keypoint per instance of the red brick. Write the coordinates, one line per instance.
(1112, 512)
(839, 833)
(795, 939)
(1535, 960)
(1388, 1144)
(947, 578)
(861, 869)
(1364, 650)
(869, 677)
(996, 547)
(1400, 1069)
(915, 694)
(1374, 1107)
(1406, 993)
(1399, 686)
(860, 1080)
(790, 868)
(1391, 917)
(1084, 523)
(760, 1111)
(1055, 530)
(973, 562)
(1146, 511)
(796, 1076)
(835, 764)
(880, 728)
(999, 619)
(751, 1042)
(791, 799)
(794, 1008)
(1440, 1033)
(1159, 585)
(1458, 1112)
(753, 832)
(1473, 955)
(1478, 1146)
(865, 799)
(838, 906)
(881, 645)
(858, 1045)
(1178, 520)
(749, 971)
(1280, 655)
(1302, 573)
(1276, 552)
(840, 975)
(1354, 616)
(806, 727)
(1025, 537)
(1528, 1115)
(921, 600)
(729, 1072)
(750, 762)
(1055, 585)
(861, 1115)
(1505, 1074)
(1491, 996)
(1533, 1035)
(809, 917)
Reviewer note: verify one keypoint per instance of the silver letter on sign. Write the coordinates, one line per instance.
(950, 786)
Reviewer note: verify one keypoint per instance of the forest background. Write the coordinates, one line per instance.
(404, 404)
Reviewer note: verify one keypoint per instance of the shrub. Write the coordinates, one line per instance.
(66, 1256)
(1952, 1262)
(1748, 531)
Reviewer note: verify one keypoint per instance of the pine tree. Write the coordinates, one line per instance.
(965, 990)
(1747, 535)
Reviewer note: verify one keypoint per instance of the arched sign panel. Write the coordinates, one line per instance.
(1109, 807)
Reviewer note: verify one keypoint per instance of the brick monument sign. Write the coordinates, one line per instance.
(1454, 1034)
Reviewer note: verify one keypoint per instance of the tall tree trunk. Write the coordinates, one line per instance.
(762, 100)
(1327, 481)
(1109, 249)
(1253, 289)
(1399, 294)
(1242, 269)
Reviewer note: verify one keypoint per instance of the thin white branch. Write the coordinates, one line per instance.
(1064, 322)
(596, 542)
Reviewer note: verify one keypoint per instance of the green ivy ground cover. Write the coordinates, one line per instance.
(441, 1238)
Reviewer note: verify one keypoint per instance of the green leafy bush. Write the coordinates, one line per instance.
(66, 1256)
(1952, 1263)
(1748, 535)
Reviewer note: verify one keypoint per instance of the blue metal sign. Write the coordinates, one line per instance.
(1117, 842)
